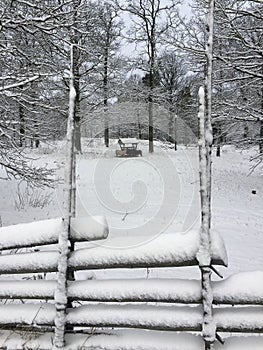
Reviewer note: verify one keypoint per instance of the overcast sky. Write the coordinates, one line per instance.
(130, 49)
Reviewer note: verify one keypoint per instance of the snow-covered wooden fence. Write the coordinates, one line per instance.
(119, 313)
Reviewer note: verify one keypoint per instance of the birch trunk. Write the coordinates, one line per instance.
(205, 150)
(61, 299)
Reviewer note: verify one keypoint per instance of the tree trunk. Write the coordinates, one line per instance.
(76, 73)
(218, 139)
(175, 133)
(77, 121)
(106, 91)
(218, 151)
(245, 135)
(106, 132)
(152, 54)
(150, 110)
(139, 131)
(21, 126)
(78, 135)
(261, 137)
(261, 122)
(37, 141)
(171, 127)
(150, 99)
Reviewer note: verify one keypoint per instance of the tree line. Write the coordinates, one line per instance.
(35, 39)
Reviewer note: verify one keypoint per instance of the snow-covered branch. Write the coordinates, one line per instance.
(19, 166)
(20, 83)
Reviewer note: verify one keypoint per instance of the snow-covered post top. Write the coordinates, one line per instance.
(61, 291)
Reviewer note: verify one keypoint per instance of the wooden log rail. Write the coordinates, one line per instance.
(164, 251)
(232, 291)
(47, 231)
(155, 308)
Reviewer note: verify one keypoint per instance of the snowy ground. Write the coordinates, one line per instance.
(145, 197)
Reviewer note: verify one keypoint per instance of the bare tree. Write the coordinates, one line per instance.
(24, 67)
(150, 24)
(172, 75)
(35, 38)
(108, 42)
(243, 56)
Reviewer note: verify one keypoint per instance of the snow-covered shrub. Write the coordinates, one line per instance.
(31, 197)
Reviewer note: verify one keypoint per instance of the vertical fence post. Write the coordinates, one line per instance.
(204, 252)
(61, 299)
(205, 150)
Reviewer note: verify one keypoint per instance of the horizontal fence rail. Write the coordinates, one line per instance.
(171, 250)
(154, 308)
(233, 290)
(169, 318)
(164, 251)
(33, 262)
(47, 231)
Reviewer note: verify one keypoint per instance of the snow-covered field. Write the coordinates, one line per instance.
(148, 201)
(146, 196)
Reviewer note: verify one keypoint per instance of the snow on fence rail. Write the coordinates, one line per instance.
(244, 288)
(149, 308)
(47, 231)
(163, 251)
